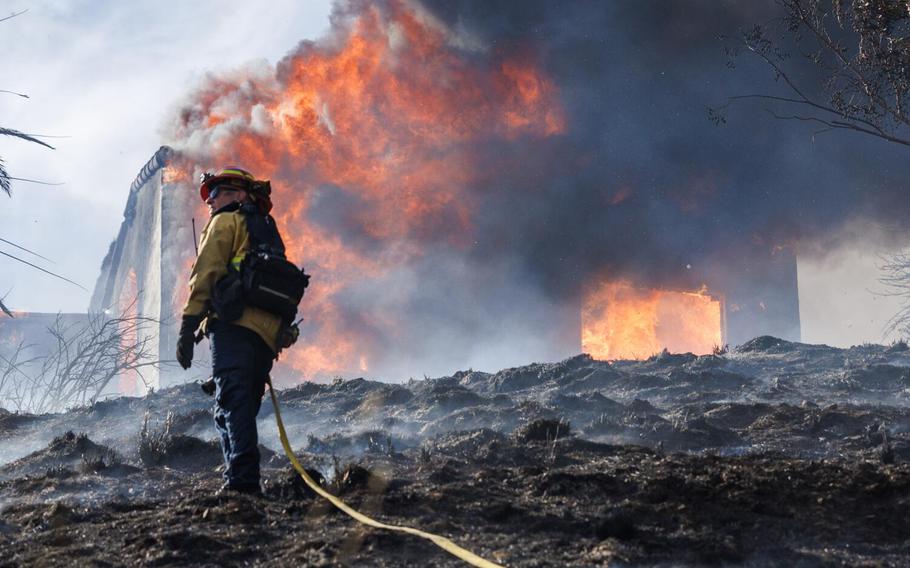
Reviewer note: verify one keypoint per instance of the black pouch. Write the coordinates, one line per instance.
(227, 300)
(273, 283)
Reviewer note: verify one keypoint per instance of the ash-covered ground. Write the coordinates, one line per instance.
(775, 453)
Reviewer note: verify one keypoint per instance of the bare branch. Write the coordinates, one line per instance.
(867, 83)
(803, 99)
(4, 178)
(39, 182)
(13, 15)
(26, 250)
(862, 52)
(860, 49)
(5, 309)
(85, 359)
(24, 136)
(839, 125)
(896, 279)
(43, 270)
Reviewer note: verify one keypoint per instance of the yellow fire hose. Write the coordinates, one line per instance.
(439, 541)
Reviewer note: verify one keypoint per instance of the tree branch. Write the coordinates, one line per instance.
(24, 136)
(13, 15)
(43, 270)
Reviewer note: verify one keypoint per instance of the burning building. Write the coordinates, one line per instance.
(145, 272)
(142, 271)
(463, 197)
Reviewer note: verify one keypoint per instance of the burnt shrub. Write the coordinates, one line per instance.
(543, 429)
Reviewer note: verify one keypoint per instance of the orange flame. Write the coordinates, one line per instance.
(386, 119)
(128, 381)
(620, 321)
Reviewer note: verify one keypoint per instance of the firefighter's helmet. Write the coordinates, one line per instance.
(232, 177)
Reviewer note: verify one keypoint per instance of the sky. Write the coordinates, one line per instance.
(841, 300)
(107, 75)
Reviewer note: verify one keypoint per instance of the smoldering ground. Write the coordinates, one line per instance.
(678, 460)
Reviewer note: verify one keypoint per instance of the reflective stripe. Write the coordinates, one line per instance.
(240, 173)
(274, 292)
(235, 262)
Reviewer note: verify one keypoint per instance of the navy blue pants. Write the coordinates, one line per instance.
(241, 362)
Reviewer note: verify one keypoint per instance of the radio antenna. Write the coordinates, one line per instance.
(195, 244)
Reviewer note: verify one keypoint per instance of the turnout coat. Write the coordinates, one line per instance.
(225, 240)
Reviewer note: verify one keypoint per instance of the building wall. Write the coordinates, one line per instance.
(139, 275)
(759, 287)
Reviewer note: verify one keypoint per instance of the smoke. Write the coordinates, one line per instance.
(441, 166)
(636, 79)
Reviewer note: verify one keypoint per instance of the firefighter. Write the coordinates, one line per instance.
(244, 348)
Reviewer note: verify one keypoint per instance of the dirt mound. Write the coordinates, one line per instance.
(371, 441)
(67, 451)
(736, 416)
(766, 344)
(182, 452)
(667, 358)
(194, 420)
(288, 485)
(880, 378)
(469, 444)
(355, 477)
(442, 397)
(699, 434)
(10, 421)
(543, 430)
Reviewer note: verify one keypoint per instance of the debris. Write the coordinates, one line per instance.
(677, 460)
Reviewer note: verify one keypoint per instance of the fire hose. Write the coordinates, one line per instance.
(439, 541)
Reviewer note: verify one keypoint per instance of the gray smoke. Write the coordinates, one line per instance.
(637, 78)
(641, 185)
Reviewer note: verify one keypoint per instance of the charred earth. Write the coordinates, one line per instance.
(774, 453)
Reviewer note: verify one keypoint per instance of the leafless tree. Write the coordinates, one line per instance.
(13, 367)
(84, 359)
(861, 51)
(896, 269)
(861, 48)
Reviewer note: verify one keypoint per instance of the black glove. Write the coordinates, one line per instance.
(187, 340)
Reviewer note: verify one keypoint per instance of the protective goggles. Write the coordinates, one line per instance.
(219, 189)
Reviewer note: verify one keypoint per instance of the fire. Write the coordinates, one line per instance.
(173, 175)
(128, 381)
(620, 321)
(383, 126)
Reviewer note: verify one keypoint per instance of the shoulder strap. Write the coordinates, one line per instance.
(263, 231)
(230, 207)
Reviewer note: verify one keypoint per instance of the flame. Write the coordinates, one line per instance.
(181, 291)
(620, 321)
(621, 195)
(10, 335)
(387, 119)
(174, 175)
(128, 381)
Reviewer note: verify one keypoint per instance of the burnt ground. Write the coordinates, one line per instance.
(773, 454)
